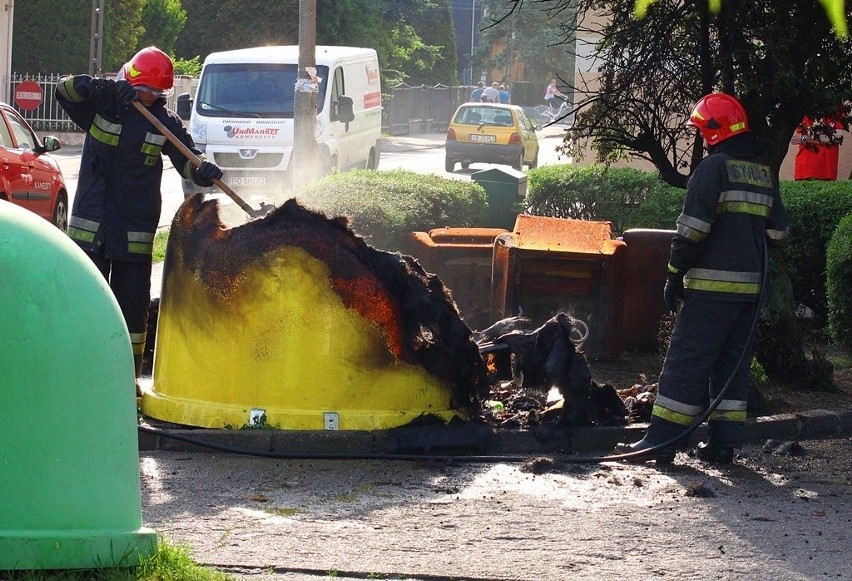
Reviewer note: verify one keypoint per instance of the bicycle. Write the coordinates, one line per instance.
(545, 114)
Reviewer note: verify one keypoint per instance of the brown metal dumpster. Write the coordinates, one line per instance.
(550, 265)
(644, 275)
(461, 257)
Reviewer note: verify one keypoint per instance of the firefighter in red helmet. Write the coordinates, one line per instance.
(713, 283)
(117, 205)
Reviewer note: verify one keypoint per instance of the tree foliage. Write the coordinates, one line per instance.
(532, 36)
(162, 21)
(414, 39)
(51, 36)
(779, 57)
(122, 30)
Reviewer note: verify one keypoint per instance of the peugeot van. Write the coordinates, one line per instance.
(242, 113)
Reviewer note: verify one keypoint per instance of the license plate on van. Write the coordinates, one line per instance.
(482, 138)
(247, 181)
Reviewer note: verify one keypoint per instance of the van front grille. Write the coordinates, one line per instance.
(261, 160)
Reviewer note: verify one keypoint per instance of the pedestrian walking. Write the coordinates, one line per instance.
(476, 95)
(492, 93)
(505, 98)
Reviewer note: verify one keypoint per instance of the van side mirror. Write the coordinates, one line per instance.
(345, 109)
(184, 106)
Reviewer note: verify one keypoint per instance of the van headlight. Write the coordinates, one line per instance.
(198, 132)
(319, 128)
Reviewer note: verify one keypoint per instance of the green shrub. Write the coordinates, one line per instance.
(385, 207)
(815, 210)
(629, 198)
(839, 283)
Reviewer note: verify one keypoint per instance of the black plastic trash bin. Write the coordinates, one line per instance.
(505, 189)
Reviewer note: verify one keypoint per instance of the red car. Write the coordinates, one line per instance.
(29, 176)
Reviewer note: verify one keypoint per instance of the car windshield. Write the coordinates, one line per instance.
(485, 116)
(252, 89)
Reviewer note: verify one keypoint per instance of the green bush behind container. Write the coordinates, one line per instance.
(385, 207)
(815, 210)
(839, 283)
(629, 198)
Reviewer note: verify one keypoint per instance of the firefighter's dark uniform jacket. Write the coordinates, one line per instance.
(117, 204)
(732, 204)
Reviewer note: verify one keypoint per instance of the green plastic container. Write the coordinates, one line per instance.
(505, 189)
(69, 457)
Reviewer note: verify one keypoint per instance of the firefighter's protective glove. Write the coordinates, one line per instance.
(124, 92)
(673, 291)
(101, 91)
(206, 173)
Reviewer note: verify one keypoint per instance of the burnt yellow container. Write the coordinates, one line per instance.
(273, 343)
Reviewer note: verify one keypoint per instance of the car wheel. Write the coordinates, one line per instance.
(534, 162)
(330, 165)
(519, 164)
(465, 164)
(373, 159)
(449, 165)
(60, 212)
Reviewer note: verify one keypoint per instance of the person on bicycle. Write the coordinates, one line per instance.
(551, 94)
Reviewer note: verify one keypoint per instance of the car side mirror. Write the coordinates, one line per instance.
(184, 106)
(345, 109)
(50, 143)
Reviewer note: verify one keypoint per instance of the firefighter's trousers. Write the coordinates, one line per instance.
(130, 282)
(709, 338)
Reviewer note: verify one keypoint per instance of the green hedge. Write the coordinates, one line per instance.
(839, 283)
(628, 198)
(815, 210)
(385, 207)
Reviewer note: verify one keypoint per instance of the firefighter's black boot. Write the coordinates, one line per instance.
(664, 456)
(714, 454)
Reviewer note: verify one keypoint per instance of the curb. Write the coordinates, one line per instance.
(464, 439)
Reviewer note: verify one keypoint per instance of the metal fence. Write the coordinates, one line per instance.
(409, 109)
(49, 116)
(422, 109)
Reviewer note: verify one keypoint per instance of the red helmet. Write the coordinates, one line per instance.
(718, 116)
(151, 68)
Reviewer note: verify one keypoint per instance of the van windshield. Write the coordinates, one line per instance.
(252, 89)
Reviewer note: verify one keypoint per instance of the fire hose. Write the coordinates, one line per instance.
(499, 457)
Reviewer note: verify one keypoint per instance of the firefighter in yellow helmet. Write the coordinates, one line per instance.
(117, 205)
(714, 279)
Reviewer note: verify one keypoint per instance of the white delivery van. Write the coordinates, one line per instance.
(242, 113)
